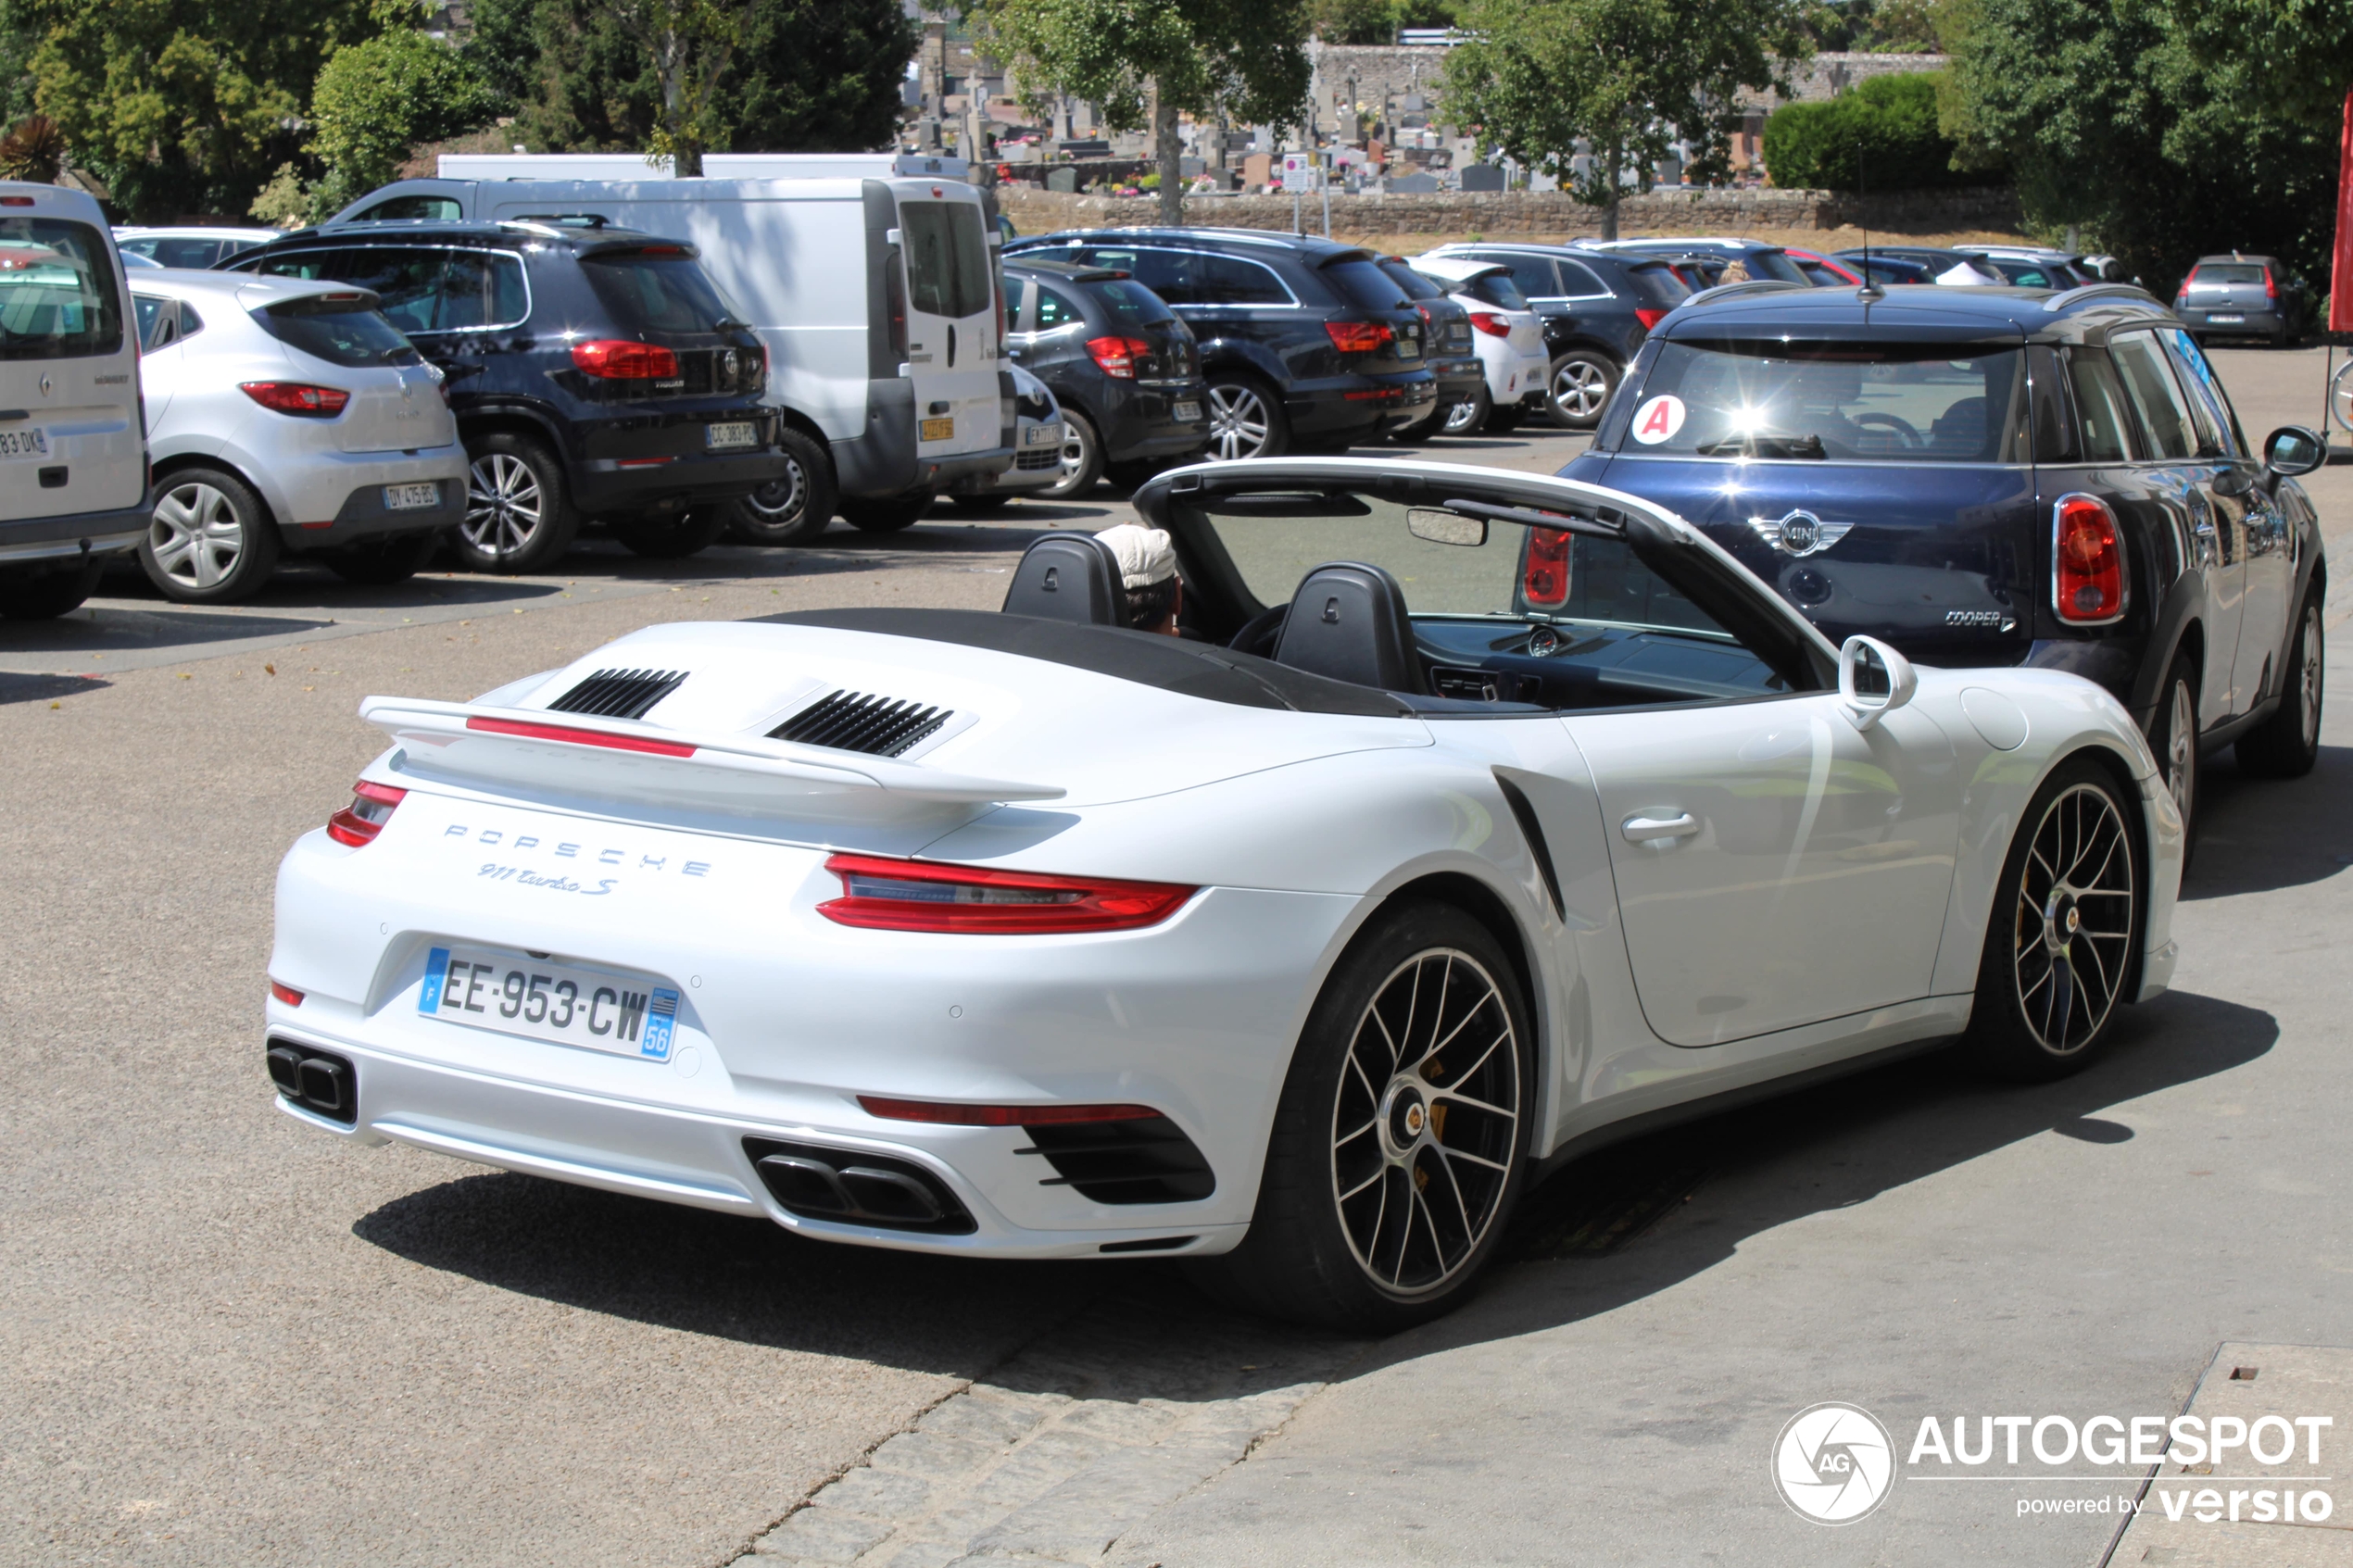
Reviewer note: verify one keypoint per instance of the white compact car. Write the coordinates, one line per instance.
(1492, 815)
(287, 416)
(195, 247)
(1509, 336)
(1038, 463)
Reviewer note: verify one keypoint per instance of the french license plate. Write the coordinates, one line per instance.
(736, 433)
(2227, 321)
(1187, 413)
(1409, 348)
(30, 441)
(544, 1001)
(1042, 435)
(411, 497)
(940, 430)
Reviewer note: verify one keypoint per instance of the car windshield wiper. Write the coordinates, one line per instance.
(1763, 446)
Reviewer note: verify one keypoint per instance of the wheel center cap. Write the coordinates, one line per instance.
(2062, 918)
(1405, 1118)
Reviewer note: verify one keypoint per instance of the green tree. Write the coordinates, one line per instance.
(1246, 58)
(690, 45)
(187, 106)
(376, 100)
(1629, 78)
(1374, 21)
(1883, 135)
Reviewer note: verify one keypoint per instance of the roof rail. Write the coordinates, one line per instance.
(1748, 286)
(2123, 292)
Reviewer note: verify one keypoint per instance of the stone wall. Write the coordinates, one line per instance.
(1421, 67)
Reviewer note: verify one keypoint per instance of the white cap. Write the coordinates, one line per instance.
(1146, 557)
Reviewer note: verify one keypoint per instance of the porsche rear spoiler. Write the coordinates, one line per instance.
(471, 743)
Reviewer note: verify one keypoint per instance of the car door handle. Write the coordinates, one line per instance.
(1641, 827)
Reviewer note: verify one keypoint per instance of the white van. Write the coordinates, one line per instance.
(877, 298)
(73, 445)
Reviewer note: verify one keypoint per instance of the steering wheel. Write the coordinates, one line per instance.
(1906, 433)
(1260, 632)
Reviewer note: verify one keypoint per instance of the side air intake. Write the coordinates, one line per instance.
(854, 722)
(620, 694)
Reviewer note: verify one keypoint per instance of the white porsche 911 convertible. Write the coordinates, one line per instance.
(1481, 817)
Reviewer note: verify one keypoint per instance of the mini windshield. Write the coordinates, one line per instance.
(1935, 403)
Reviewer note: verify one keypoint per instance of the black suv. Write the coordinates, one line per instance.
(1124, 370)
(1306, 346)
(595, 374)
(1453, 357)
(1598, 308)
(1990, 476)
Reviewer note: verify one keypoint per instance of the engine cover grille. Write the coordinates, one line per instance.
(879, 726)
(620, 694)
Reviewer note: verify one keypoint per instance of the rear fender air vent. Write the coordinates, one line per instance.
(879, 726)
(620, 694)
(1148, 1159)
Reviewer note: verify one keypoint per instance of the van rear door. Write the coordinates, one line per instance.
(952, 349)
(70, 438)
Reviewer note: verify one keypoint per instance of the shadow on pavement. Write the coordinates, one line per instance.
(47, 688)
(2256, 835)
(103, 629)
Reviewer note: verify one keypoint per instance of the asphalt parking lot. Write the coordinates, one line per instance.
(228, 1340)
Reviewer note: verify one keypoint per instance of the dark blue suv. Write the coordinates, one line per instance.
(1988, 476)
(595, 374)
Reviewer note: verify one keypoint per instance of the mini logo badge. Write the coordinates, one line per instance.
(1834, 1463)
(1799, 533)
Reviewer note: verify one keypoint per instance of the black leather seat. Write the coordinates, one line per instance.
(1068, 577)
(1348, 621)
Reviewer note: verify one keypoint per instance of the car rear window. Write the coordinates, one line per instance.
(1498, 289)
(1414, 286)
(1130, 302)
(2220, 272)
(1655, 287)
(1365, 285)
(660, 289)
(57, 295)
(340, 331)
(1774, 264)
(1918, 403)
(947, 251)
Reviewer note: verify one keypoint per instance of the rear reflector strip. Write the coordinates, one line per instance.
(999, 1115)
(578, 737)
(285, 994)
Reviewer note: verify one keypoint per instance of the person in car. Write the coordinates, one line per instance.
(1147, 575)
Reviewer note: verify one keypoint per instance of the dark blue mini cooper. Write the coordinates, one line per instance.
(1986, 476)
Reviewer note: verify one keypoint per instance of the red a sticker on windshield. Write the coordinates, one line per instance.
(1658, 420)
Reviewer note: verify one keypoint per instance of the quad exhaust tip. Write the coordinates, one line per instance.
(855, 1187)
(320, 1082)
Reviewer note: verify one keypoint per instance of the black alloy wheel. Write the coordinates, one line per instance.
(2175, 743)
(792, 509)
(2286, 745)
(1245, 418)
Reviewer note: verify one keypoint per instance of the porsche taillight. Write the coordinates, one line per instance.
(2087, 561)
(885, 894)
(1544, 577)
(371, 806)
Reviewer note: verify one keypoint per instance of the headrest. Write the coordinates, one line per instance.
(1068, 577)
(1348, 621)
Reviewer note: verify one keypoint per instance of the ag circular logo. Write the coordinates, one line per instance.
(1834, 1463)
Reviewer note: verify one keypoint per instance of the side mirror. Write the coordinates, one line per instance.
(1873, 681)
(2293, 449)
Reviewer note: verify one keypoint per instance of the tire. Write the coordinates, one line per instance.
(384, 559)
(211, 541)
(674, 537)
(2288, 744)
(1246, 418)
(1082, 459)
(518, 515)
(2066, 921)
(1579, 390)
(2174, 739)
(887, 515)
(1356, 1140)
(793, 509)
(45, 594)
(1469, 419)
(1506, 418)
(1421, 431)
(983, 503)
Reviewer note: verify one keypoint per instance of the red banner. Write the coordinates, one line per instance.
(2341, 279)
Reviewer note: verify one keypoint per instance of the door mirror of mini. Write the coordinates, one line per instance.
(2293, 449)
(1445, 528)
(1873, 681)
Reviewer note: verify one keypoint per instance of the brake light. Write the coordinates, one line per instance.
(16, 201)
(295, 397)
(1358, 337)
(919, 895)
(1424, 310)
(2087, 561)
(2271, 286)
(1118, 355)
(1648, 317)
(285, 994)
(569, 735)
(620, 359)
(1491, 324)
(950, 1115)
(1544, 579)
(358, 823)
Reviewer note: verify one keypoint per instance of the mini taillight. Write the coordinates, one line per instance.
(620, 359)
(1648, 317)
(923, 895)
(1358, 337)
(1544, 579)
(285, 994)
(371, 806)
(1491, 324)
(295, 397)
(946, 1113)
(1118, 355)
(2087, 561)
